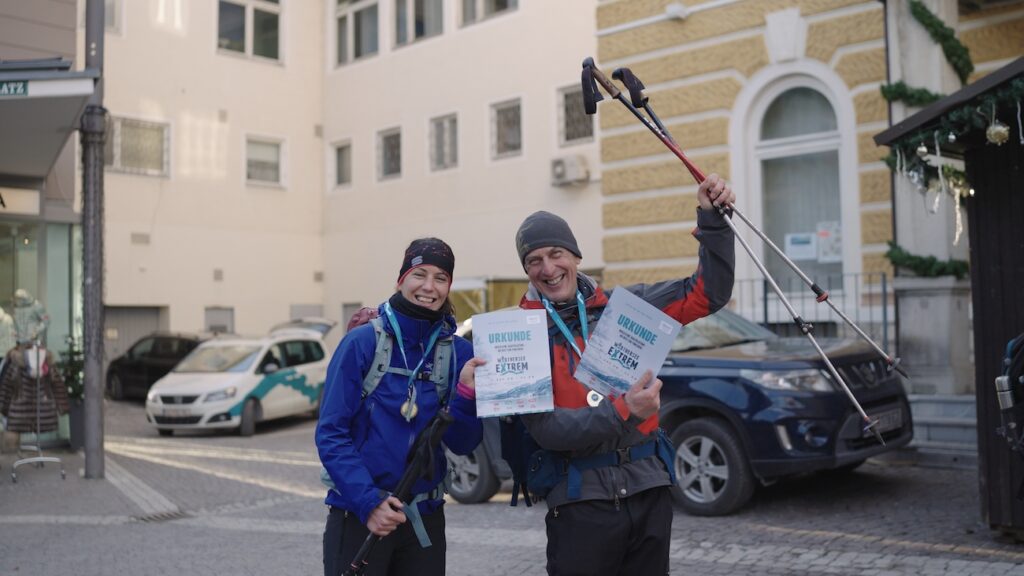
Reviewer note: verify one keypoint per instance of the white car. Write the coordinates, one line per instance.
(232, 382)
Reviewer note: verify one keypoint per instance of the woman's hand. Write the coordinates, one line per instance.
(386, 517)
(468, 375)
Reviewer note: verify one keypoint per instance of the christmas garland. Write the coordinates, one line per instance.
(927, 266)
(911, 96)
(906, 156)
(956, 53)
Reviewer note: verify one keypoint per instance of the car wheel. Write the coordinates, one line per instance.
(473, 478)
(165, 432)
(115, 387)
(248, 424)
(712, 473)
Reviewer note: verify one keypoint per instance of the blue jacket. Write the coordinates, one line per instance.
(363, 443)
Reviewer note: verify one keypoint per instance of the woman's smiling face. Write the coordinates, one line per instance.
(426, 286)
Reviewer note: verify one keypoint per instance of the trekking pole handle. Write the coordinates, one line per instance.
(603, 80)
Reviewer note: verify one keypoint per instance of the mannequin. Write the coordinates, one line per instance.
(30, 317)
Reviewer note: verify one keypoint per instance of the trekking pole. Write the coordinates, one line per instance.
(591, 96)
(637, 100)
(421, 458)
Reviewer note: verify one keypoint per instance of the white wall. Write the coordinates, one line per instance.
(529, 54)
(163, 66)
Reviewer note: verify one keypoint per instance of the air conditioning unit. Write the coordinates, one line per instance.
(569, 170)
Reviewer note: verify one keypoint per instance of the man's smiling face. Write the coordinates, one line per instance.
(552, 271)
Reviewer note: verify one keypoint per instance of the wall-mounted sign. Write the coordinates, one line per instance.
(801, 246)
(19, 201)
(13, 88)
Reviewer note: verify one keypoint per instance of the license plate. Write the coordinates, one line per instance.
(176, 412)
(886, 421)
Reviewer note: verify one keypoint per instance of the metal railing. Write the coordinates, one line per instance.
(867, 299)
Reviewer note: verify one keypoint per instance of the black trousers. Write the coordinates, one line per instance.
(600, 538)
(397, 554)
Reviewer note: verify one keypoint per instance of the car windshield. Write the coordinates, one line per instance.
(722, 328)
(229, 358)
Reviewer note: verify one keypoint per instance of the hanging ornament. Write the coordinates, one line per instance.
(959, 222)
(922, 150)
(951, 138)
(997, 133)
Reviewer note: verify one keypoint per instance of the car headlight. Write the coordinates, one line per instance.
(221, 394)
(153, 397)
(812, 380)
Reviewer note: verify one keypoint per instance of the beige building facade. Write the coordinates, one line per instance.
(214, 187)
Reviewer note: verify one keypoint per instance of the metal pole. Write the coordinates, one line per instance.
(93, 136)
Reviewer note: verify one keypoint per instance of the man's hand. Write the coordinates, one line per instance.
(386, 517)
(468, 374)
(644, 399)
(714, 191)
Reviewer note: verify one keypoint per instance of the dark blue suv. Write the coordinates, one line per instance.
(746, 407)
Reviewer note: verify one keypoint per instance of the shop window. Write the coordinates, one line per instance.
(250, 27)
(137, 147)
(506, 129)
(357, 30)
(444, 145)
(416, 19)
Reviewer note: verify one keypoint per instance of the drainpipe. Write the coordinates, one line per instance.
(93, 135)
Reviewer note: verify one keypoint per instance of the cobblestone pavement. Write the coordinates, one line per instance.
(220, 504)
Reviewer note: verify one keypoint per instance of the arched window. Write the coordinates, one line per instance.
(798, 151)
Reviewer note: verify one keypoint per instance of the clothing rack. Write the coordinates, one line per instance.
(39, 460)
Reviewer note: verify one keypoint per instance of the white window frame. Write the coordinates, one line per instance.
(349, 11)
(381, 135)
(334, 162)
(480, 16)
(494, 109)
(562, 126)
(250, 7)
(281, 159)
(114, 135)
(451, 159)
(410, 22)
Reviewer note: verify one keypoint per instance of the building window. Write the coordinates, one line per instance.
(444, 143)
(575, 125)
(798, 150)
(506, 127)
(250, 27)
(357, 30)
(389, 153)
(137, 147)
(416, 19)
(343, 164)
(263, 161)
(476, 10)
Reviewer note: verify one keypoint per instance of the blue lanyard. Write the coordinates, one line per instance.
(561, 324)
(409, 412)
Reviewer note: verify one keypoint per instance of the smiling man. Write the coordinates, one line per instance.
(615, 516)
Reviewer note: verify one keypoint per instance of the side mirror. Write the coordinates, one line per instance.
(270, 368)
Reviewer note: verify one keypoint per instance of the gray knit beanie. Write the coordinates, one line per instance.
(541, 230)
